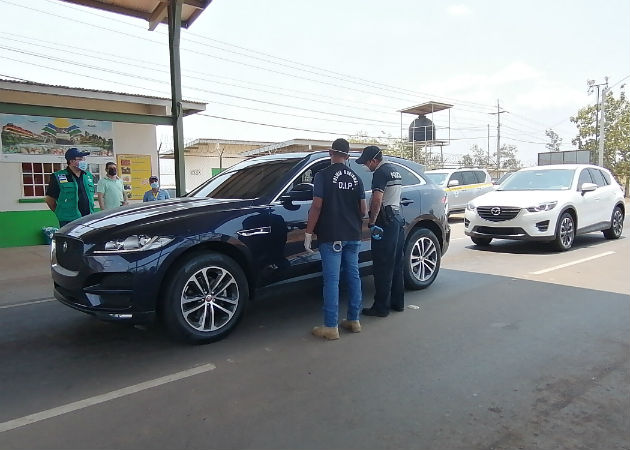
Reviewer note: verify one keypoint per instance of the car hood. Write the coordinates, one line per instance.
(149, 213)
(522, 199)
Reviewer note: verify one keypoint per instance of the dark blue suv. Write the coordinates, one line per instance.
(197, 260)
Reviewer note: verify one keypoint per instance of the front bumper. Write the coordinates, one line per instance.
(538, 226)
(108, 286)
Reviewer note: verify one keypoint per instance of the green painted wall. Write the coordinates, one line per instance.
(20, 228)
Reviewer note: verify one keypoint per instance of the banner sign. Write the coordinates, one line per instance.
(134, 170)
(29, 138)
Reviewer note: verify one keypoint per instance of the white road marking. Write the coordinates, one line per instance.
(579, 261)
(91, 401)
(46, 300)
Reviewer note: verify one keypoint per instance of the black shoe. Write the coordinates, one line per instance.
(398, 308)
(373, 312)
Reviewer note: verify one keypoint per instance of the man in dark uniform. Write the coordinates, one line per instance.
(336, 216)
(388, 236)
(70, 193)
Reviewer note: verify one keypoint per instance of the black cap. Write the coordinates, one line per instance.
(341, 146)
(369, 153)
(153, 178)
(75, 153)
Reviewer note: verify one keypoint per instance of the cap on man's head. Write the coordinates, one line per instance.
(370, 152)
(341, 146)
(153, 178)
(74, 152)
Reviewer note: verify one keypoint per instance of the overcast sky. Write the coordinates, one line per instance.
(287, 69)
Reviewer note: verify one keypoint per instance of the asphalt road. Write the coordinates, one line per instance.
(513, 347)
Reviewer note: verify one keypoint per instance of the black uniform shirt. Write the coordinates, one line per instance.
(341, 191)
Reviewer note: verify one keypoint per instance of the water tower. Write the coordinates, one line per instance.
(422, 131)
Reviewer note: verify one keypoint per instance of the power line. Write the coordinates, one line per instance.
(197, 52)
(336, 75)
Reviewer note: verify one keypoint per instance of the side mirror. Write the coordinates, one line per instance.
(588, 187)
(453, 183)
(301, 192)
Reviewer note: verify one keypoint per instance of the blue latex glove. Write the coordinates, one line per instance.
(377, 232)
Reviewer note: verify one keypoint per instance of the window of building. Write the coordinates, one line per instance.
(36, 176)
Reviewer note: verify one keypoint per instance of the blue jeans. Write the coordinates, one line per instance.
(335, 262)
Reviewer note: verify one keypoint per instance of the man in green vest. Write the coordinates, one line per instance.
(70, 193)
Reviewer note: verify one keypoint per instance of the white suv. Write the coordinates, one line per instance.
(461, 185)
(548, 203)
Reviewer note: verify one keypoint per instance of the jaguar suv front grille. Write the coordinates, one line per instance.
(497, 213)
(69, 252)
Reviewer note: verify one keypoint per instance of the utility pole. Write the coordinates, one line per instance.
(592, 85)
(498, 113)
(488, 160)
(602, 124)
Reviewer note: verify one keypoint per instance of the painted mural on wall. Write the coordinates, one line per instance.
(24, 136)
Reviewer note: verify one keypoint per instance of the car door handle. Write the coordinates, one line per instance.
(406, 201)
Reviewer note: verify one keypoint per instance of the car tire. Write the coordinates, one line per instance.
(565, 232)
(616, 224)
(422, 258)
(481, 241)
(205, 298)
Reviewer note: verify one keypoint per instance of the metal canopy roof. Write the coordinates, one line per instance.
(153, 11)
(426, 108)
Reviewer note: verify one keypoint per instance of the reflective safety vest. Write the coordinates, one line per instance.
(67, 208)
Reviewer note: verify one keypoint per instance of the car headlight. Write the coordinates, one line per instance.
(470, 206)
(135, 243)
(545, 206)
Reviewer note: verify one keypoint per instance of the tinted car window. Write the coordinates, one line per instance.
(436, 177)
(598, 178)
(469, 177)
(585, 177)
(245, 181)
(363, 172)
(408, 177)
(481, 176)
(457, 176)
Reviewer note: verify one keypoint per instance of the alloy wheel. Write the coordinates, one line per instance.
(567, 233)
(209, 299)
(617, 222)
(423, 259)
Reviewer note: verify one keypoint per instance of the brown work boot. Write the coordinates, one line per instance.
(330, 333)
(351, 325)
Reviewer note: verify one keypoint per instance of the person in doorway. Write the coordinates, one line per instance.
(336, 216)
(70, 192)
(109, 190)
(388, 237)
(155, 193)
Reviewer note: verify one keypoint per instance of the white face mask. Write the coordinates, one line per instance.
(82, 165)
(155, 185)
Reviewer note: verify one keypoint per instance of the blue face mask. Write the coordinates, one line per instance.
(83, 165)
(155, 185)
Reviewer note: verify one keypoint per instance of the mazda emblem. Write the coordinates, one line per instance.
(495, 211)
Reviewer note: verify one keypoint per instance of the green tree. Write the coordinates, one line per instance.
(476, 157)
(508, 158)
(554, 141)
(616, 135)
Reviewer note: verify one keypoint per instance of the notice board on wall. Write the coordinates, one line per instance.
(134, 170)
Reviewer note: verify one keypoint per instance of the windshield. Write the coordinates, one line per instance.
(247, 180)
(539, 180)
(436, 177)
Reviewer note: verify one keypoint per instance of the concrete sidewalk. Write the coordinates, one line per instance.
(25, 274)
